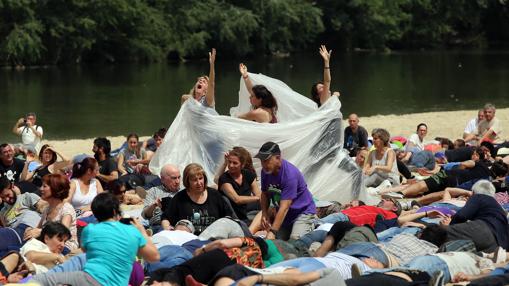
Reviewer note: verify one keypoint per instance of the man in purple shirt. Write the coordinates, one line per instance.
(284, 186)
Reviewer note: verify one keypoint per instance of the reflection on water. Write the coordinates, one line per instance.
(89, 101)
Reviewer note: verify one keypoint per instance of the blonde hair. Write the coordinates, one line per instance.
(191, 171)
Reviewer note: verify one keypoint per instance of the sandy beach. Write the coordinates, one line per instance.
(448, 124)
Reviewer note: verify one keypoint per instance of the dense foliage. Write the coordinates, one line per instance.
(72, 31)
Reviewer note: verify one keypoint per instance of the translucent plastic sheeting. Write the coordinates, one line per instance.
(309, 137)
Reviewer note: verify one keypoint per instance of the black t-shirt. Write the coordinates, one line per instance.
(355, 140)
(460, 154)
(243, 189)
(201, 215)
(458, 177)
(13, 171)
(106, 167)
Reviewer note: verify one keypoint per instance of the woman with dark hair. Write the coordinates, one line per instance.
(133, 158)
(381, 164)
(203, 89)
(45, 251)
(54, 190)
(84, 185)
(197, 203)
(125, 197)
(239, 183)
(48, 158)
(264, 104)
(416, 140)
(320, 91)
(111, 247)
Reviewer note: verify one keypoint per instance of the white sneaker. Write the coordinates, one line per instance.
(384, 185)
(372, 191)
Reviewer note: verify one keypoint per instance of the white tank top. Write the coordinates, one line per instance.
(79, 199)
(394, 174)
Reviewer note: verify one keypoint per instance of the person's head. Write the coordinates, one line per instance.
(499, 169)
(354, 203)
(381, 137)
(55, 186)
(361, 157)
(489, 111)
(159, 136)
(105, 206)
(390, 204)
(270, 157)
(478, 154)
(488, 149)
(445, 143)
(170, 177)
(88, 167)
(195, 178)
(200, 87)
(480, 115)
(185, 225)
(458, 143)
(118, 189)
(262, 245)
(7, 194)
(101, 146)
(47, 156)
(6, 154)
(132, 141)
(483, 187)
(353, 121)
(316, 91)
(31, 117)
(262, 97)
(245, 158)
(422, 130)
(434, 234)
(54, 235)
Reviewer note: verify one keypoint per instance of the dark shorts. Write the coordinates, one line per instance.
(438, 182)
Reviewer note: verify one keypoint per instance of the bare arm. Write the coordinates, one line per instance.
(221, 169)
(210, 96)
(72, 189)
(16, 126)
(227, 188)
(258, 115)
(245, 76)
(149, 251)
(326, 246)
(255, 189)
(467, 164)
(165, 224)
(326, 74)
(108, 178)
(120, 164)
(282, 279)
(25, 174)
(284, 206)
(43, 258)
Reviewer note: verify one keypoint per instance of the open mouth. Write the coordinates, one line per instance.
(199, 86)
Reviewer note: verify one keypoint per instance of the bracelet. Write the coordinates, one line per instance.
(326, 68)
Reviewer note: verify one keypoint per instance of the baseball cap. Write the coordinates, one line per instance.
(267, 150)
(504, 151)
(186, 223)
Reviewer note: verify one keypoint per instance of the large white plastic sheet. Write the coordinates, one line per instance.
(309, 137)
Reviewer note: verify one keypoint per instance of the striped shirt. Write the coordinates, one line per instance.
(404, 247)
(343, 263)
(154, 193)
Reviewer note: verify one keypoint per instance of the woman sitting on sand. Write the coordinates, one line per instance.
(84, 185)
(263, 102)
(203, 89)
(416, 140)
(132, 159)
(239, 184)
(54, 190)
(381, 164)
(320, 91)
(48, 157)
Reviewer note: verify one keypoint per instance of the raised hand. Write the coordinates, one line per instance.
(325, 54)
(243, 69)
(212, 56)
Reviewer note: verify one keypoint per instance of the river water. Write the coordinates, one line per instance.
(97, 100)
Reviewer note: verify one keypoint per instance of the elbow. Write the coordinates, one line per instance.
(153, 257)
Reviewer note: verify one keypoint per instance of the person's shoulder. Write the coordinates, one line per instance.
(18, 161)
(213, 192)
(362, 129)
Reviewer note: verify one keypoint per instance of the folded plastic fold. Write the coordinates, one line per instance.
(311, 138)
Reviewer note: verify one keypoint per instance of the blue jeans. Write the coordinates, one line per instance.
(75, 263)
(365, 249)
(500, 270)
(388, 234)
(304, 264)
(315, 235)
(171, 255)
(333, 218)
(430, 264)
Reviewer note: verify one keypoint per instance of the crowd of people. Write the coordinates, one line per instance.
(440, 213)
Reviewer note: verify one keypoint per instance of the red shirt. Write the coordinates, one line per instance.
(362, 215)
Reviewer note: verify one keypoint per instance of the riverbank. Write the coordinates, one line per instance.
(448, 124)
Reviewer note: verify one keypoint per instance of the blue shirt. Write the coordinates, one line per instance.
(111, 249)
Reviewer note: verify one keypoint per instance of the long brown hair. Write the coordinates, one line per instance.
(246, 161)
